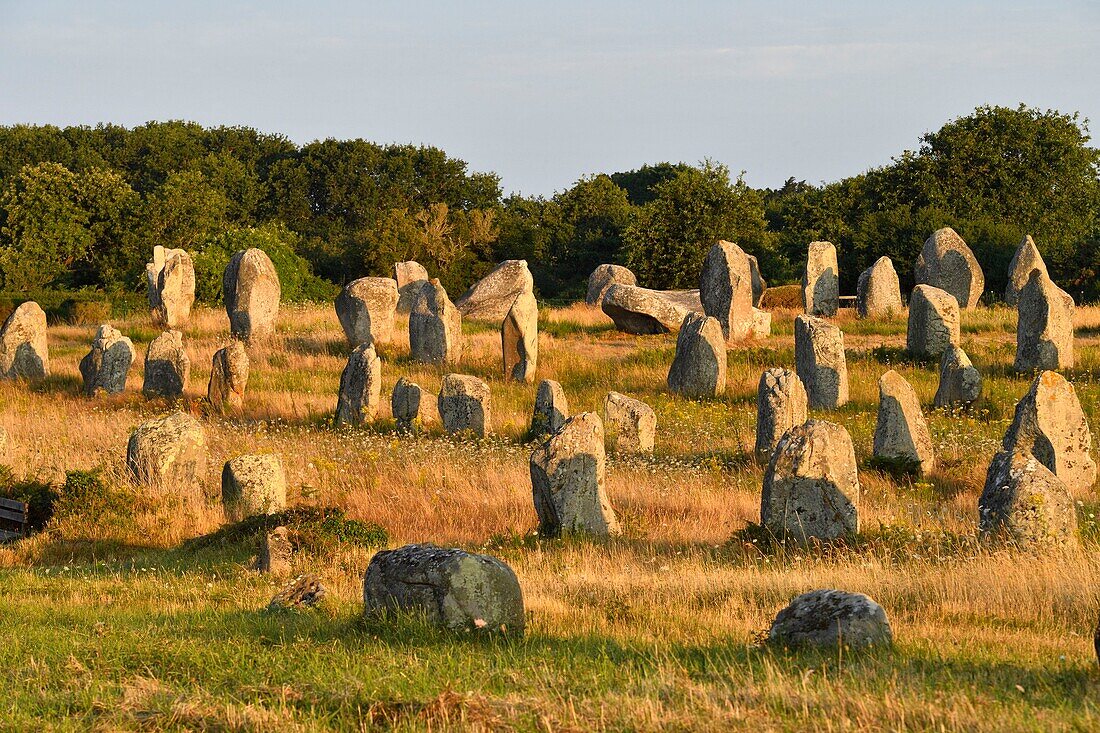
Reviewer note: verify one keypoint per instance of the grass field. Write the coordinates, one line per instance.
(112, 620)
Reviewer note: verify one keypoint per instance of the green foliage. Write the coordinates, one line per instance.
(88, 494)
(313, 529)
(38, 496)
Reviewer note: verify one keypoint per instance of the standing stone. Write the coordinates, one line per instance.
(1050, 424)
(411, 406)
(901, 434)
(640, 311)
(933, 322)
(366, 308)
(250, 287)
(360, 387)
(551, 409)
(23, 350)
(435, 327)
(821, 280)
(567, 480)
(450, 588)
(276, 552)
(1044, 326)
(699, 368)
(725, 290)
(960, 382)
(1025, 503)
(171, 287)
(169, 454)
(819, 360)
(1026, 261)
(411, 276)
(253, 485)
(945, 262)
(632, 423)
(167, 366)
(761, 324)
(781, 403)
(107, 365)
(464, 405)
(759, 284)
(228, 377)
(831, 618)
(519, 339)
(603, 277)
(811, 487)
(878, 292)
(491, 296)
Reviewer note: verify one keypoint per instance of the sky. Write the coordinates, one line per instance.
(544, 93)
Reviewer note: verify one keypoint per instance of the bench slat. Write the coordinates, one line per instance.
(18, 506)
(18, 517)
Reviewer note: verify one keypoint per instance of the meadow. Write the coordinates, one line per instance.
(116, 618)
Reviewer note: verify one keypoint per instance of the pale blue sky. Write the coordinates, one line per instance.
(543, 93)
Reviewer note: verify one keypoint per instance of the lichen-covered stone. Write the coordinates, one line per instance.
(820, 362)
(106, 367)
(640, 311)
(1044, 326)
(603, 277)
(305, 591)
(699, 367)
(960, 381)
(821, 280)
(366, 309)
(490, 297)
(228, 377)
(551, 409)
(933, 322)
(761, 324)
(252, 485)
(171, 287)
(464, 405)
(168, 454)
(411, 406)
(360, 387)
(24, 353)
(781, 403)
(276, 552)
(519, 339)
(946, 263)
(251, 290)
(631, 423)
(901, 433)
(725, 290)
(831, 618)
(1023, 502)
(1026, 261)
(410, 276)
(167, 366)
(878, 292)
(435, 327)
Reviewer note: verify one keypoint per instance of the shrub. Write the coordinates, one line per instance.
(86, 493)
(313, 529)
(39, 497)
(782, 296)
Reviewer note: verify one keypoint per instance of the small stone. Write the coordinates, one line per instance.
(107, 365)
(167, 366)
(23, 350)
(491, 296)
(360, 387)
(253, 485)
(603, 277)
(960, 382)
(640, 311)
(411, 406)
(171, 287)
(726, 292)
(435, 327)
(366, 309)
(169, 454)
(933, 322)
(831, 618)
(901, 433)
(228, 378)
(551, 409)
(464, 405)
(251, 290)
(1026, 261)
(819, 360)
(821, 280)
(276, 552)
(519, 339)
(306, 591)
(1044, 326)
(878, 292)
(699, 368)
(410, 277)
(761, 324)
(781, 404)
(1023, 502)
(946, 263)
(632, 423)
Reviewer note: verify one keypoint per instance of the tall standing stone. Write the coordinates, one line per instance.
(901, 433)
(1026, 261)
(945, 262)
(167, 366)
(960, 382)
(435, 327)
(933, 321)
(23, 350)
(168, 454)
(410, 276)
(366, 308)
(1044, 326)
(878, 292)
(821, 280)
(171, 286)
(811, 486)
(464, 405)
(603, 277)
(725, 290)
(781, 403)
(567, 480)
(551, 409)
(699, 367)
(519, 339)
(228, 377)
(107, 365)
(410, 405)
(1050, 424)
(253, 485)
(819, 360)
(1024, 502)
(360, 387)
(491, 296)
(759, 284)
(632, 422)
(251, 290)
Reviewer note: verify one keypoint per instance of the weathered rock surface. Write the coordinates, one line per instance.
(411, 406)
(945, 262)
(228, 377)
(491, 296)
(1023, 502)
(781, 404)
(960, 382)
(106, 367)
(435, 327)
(551, 409)
(168, 454)
(253, 485)
(411, 276)
(1050, 424)
(811, 487)
(761, 324)
(1026, 261)
(901, 433)
(831, 618)
(821, 280)
(23, 350)
(366, 308)
(452, 589)
(167, 366)
(690, 300)
(699, 367)
(567, 480)
(725, 290)
(878, 292)
(1044, 326)
(464, 405)
(631, 423)
(759, 284)
(171, 287)
(360, 387)
(603, 277)
(933, 321)
(640, 311)
(819, 360)
(305, 592)
(251, 290)
(519, 339)
(276, 552)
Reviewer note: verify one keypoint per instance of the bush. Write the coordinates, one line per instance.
(314, 529)
(86, 493)
(80, 307)
(783, 296)
(86, 312)
(40, 498)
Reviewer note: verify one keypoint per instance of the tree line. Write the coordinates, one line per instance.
(82, 207)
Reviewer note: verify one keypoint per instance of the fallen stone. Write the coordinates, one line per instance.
(640, 311)
(435, 327)
(551, 409)
(821, 280)
(23, 350)
(253, 485)
(632, 423)
(228, 378)
(603, 277)
(360, 387)
(519, 339)
(946, 263)
(933, 322)
(106, 367)
(464, 405)
(251, 290)
(725, 290)
(831, 618)
(781, 404)
(1044, 326)
(167, 366)
(491, 296)
(960, 382)
(878, 292)
(306, 591)
(1024, 503)
(699, 367)
(819, 360)
(366, 309)
(1026, 261)
(901, 433)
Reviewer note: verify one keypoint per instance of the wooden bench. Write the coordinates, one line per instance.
(13, 520)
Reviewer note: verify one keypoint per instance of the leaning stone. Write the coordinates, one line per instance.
(23, 350)
(960, 382)
(366, 308)
(901, 434)
(567, 480)
(410, 276)
(167, 366)
(945, 262)
(435, 327)
(603, 277)
(551, 409)
(491, 296)
(253, 485)
(1050, 424)
(821, 280)
(819, 360)
(829, 619)
(251, 290)
(878, 292)
(276, 552)
(107, 365)
(169, 455)
(811, 487)
(725, 290)
(781, 404)
(759, 284)
(228, 377)
(933, 322)
(519, 339)
(640, 311)
(1044, 326)
(360, 387)
(306, 591)
(1025, 503)
(761, 324)
(1026, 261)
(699, 368)
(632, 423)
(171, 287)
(410, 405)
(452, 589)
(464, 405)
